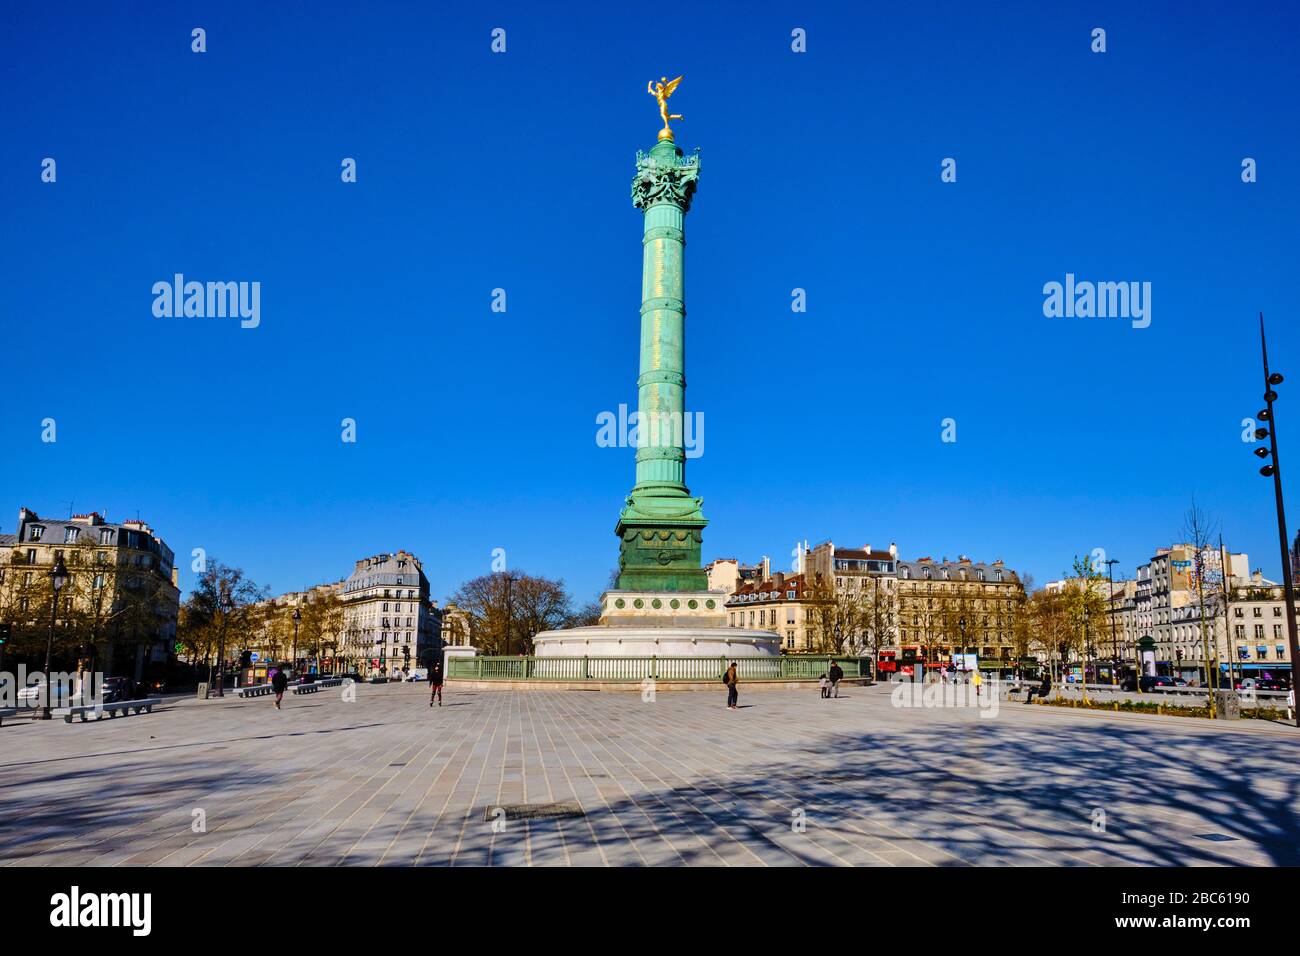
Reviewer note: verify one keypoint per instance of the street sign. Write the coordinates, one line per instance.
(255, 656)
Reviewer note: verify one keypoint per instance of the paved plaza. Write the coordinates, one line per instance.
(789, 779)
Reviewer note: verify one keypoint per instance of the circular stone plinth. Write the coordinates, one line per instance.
(606, 641)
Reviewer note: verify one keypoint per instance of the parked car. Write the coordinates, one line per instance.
(117, 688)
(32, 695)
(1158, 680)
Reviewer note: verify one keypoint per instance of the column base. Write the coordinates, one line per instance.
(661, 553)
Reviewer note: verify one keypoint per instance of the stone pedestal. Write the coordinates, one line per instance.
(629, 641)
(456, 650)
(637, 608)
(637, 623)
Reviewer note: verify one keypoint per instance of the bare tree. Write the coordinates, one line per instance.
(1199, 530)
(839, 618)
(507, 609)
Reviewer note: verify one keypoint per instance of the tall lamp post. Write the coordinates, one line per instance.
(1084, 671)
(961, 627)
(297, 616)
(58, 578)
(1274, 471)
(227, 605)
(1114, 641)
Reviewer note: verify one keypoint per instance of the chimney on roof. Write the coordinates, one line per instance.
(893, 550)
(779, 579)
(866, 548)
(765, 569)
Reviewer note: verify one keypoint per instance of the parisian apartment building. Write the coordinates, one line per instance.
(922, 610)
(121, 601)
(1163, 604)
(390, 623)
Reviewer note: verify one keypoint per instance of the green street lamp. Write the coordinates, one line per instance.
(58, 578)
(297, 616)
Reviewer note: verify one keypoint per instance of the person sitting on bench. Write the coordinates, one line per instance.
(1042, 690)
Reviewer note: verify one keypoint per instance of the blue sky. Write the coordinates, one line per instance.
(476, 430)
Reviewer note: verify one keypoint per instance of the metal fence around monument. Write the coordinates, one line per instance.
(793, 667)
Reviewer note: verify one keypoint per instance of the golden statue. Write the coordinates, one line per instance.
(661, 91)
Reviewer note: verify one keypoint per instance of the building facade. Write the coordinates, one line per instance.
(778, 602)
(390, 623)
(961, 606)
(1162, 604)
(911, 612)
(117, 613)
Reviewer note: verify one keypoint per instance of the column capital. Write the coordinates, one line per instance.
(665, 176)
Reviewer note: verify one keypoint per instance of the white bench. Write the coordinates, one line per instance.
(120, 707)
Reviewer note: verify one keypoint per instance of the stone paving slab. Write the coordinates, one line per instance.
(787, 780)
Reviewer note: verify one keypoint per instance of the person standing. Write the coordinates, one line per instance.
(731, 679)
(435, 684)
(836, 675)
(278, 684)
(976, 680)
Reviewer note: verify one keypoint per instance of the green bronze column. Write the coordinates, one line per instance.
(660, 528)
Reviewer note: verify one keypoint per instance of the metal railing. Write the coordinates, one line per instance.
(801, 667)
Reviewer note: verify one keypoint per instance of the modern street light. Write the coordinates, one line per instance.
(1274, 471)
(58, 578)
(297, 616)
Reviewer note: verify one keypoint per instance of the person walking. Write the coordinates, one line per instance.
(435, 684)
(278, 684)
(731, 679)
(836, 675)
(976, 679)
